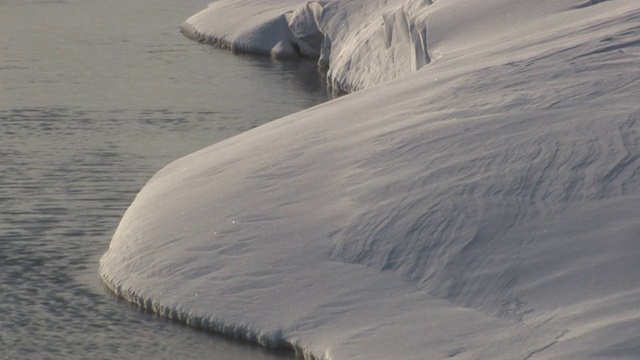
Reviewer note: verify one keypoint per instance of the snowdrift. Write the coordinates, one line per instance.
(477, 199)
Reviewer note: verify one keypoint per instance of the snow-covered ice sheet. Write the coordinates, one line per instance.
(479, 198)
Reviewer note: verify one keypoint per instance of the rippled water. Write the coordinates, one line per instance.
(95, 97)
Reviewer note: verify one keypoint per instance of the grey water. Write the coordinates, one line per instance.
(95, 97)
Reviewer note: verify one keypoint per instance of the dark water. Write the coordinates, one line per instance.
(95, 97)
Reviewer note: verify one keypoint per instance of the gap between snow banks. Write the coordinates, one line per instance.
(361, 43)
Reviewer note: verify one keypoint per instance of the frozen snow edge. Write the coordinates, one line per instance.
(243, 332)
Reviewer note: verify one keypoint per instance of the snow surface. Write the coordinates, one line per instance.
(479, 198)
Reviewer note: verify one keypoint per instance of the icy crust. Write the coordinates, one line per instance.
(242, 331)
(484, 207)
(363, 43)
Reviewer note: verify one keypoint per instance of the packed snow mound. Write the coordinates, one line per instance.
(363, 43)
(484, 206)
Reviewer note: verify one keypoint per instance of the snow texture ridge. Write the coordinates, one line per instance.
(476, 199)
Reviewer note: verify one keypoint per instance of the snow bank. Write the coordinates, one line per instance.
(484, 206)
(247, 26)
(362, 42)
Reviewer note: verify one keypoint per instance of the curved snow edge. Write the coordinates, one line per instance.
(245, 332)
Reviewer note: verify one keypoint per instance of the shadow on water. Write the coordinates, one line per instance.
(301, 73)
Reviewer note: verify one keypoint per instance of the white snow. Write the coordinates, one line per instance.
(479, 198)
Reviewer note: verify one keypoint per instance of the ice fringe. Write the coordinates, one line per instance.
(319, 30)
(274, 339)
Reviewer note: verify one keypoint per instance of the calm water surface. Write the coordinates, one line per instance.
(95, 97)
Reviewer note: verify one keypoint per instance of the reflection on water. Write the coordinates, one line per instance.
(94, 99)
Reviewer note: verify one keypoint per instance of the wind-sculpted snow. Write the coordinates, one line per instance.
(482, 205)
